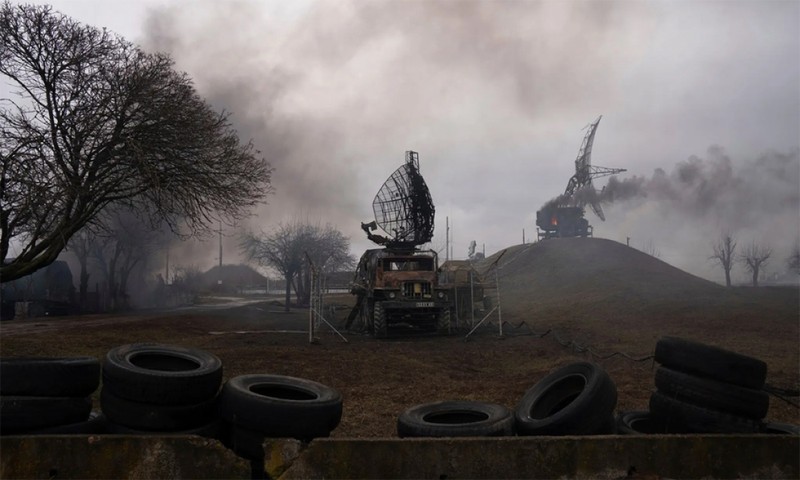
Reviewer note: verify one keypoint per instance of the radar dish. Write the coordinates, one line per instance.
(403, 206)
(585, 172)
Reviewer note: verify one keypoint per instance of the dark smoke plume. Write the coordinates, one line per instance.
(712, 187)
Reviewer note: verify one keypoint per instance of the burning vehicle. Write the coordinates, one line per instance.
(558, 221)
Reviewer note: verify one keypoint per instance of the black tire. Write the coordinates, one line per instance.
(712, 362)
(704, 392)
(95, 424)
(380, 329)
(211, 429)
(443, 322)
(781, 428)
(281, 406)
(162, 374)
(576, 399)
(151, 416)
(456, 419)
(638, 423)
(49, 377)
(19, 414)
(682, 417)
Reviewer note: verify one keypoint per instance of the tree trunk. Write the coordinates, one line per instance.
(755, 277)
(84, 286)
(727, 277)
(288, 298)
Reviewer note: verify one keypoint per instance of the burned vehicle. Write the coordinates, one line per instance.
(562, 222)
(397, 286)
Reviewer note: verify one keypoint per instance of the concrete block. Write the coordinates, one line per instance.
(118, 456)
(599, 457)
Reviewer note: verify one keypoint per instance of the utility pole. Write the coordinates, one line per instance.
(220, 244)
(452, 256)
(447, 239)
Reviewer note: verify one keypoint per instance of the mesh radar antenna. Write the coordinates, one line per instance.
(585, 171)
(403, 208)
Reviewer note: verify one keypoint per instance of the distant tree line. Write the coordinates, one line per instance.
(753, 256)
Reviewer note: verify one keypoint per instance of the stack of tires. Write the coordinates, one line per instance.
(577, 399)
(706, 389)
(40, 395)
(149, 388)
(258, 406)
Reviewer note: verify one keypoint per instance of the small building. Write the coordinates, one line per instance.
(47, 291)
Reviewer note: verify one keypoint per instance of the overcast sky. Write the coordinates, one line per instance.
(700, 103)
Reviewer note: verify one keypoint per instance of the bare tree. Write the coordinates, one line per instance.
(329, 249)
(793, 262)
(119, 250)
(94, 122)
(285, 250)
(186, 282)
(81, 246)
(754, 257)
(280, 250)
(725, 254)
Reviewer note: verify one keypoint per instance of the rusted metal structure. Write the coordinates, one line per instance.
(469, 290)
(397, 285)
(563, 216)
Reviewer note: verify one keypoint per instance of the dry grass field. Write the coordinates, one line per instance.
(592, 292)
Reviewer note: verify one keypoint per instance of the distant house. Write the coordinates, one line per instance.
(234, 279)
(47, 291)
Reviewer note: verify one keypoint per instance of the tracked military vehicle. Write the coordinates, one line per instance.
(397, 285)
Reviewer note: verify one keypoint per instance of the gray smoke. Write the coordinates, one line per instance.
(335, 98)
(485, 91)
(712, 187)
(683, 211)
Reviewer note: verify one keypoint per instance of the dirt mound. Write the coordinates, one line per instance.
(568, 281)
(558, 270)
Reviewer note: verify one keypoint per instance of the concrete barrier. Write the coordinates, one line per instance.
(610, 457)
(650, 456)
(118, 456)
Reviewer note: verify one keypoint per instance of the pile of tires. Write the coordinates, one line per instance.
(577, 399)
(705, 389)
(258, 406)
(149, 388)
(42, 395)
(701, 388)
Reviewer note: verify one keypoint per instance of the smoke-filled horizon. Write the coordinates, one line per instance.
(699, 101)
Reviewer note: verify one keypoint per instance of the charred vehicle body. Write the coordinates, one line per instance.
(557, 221)
(397, 285)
